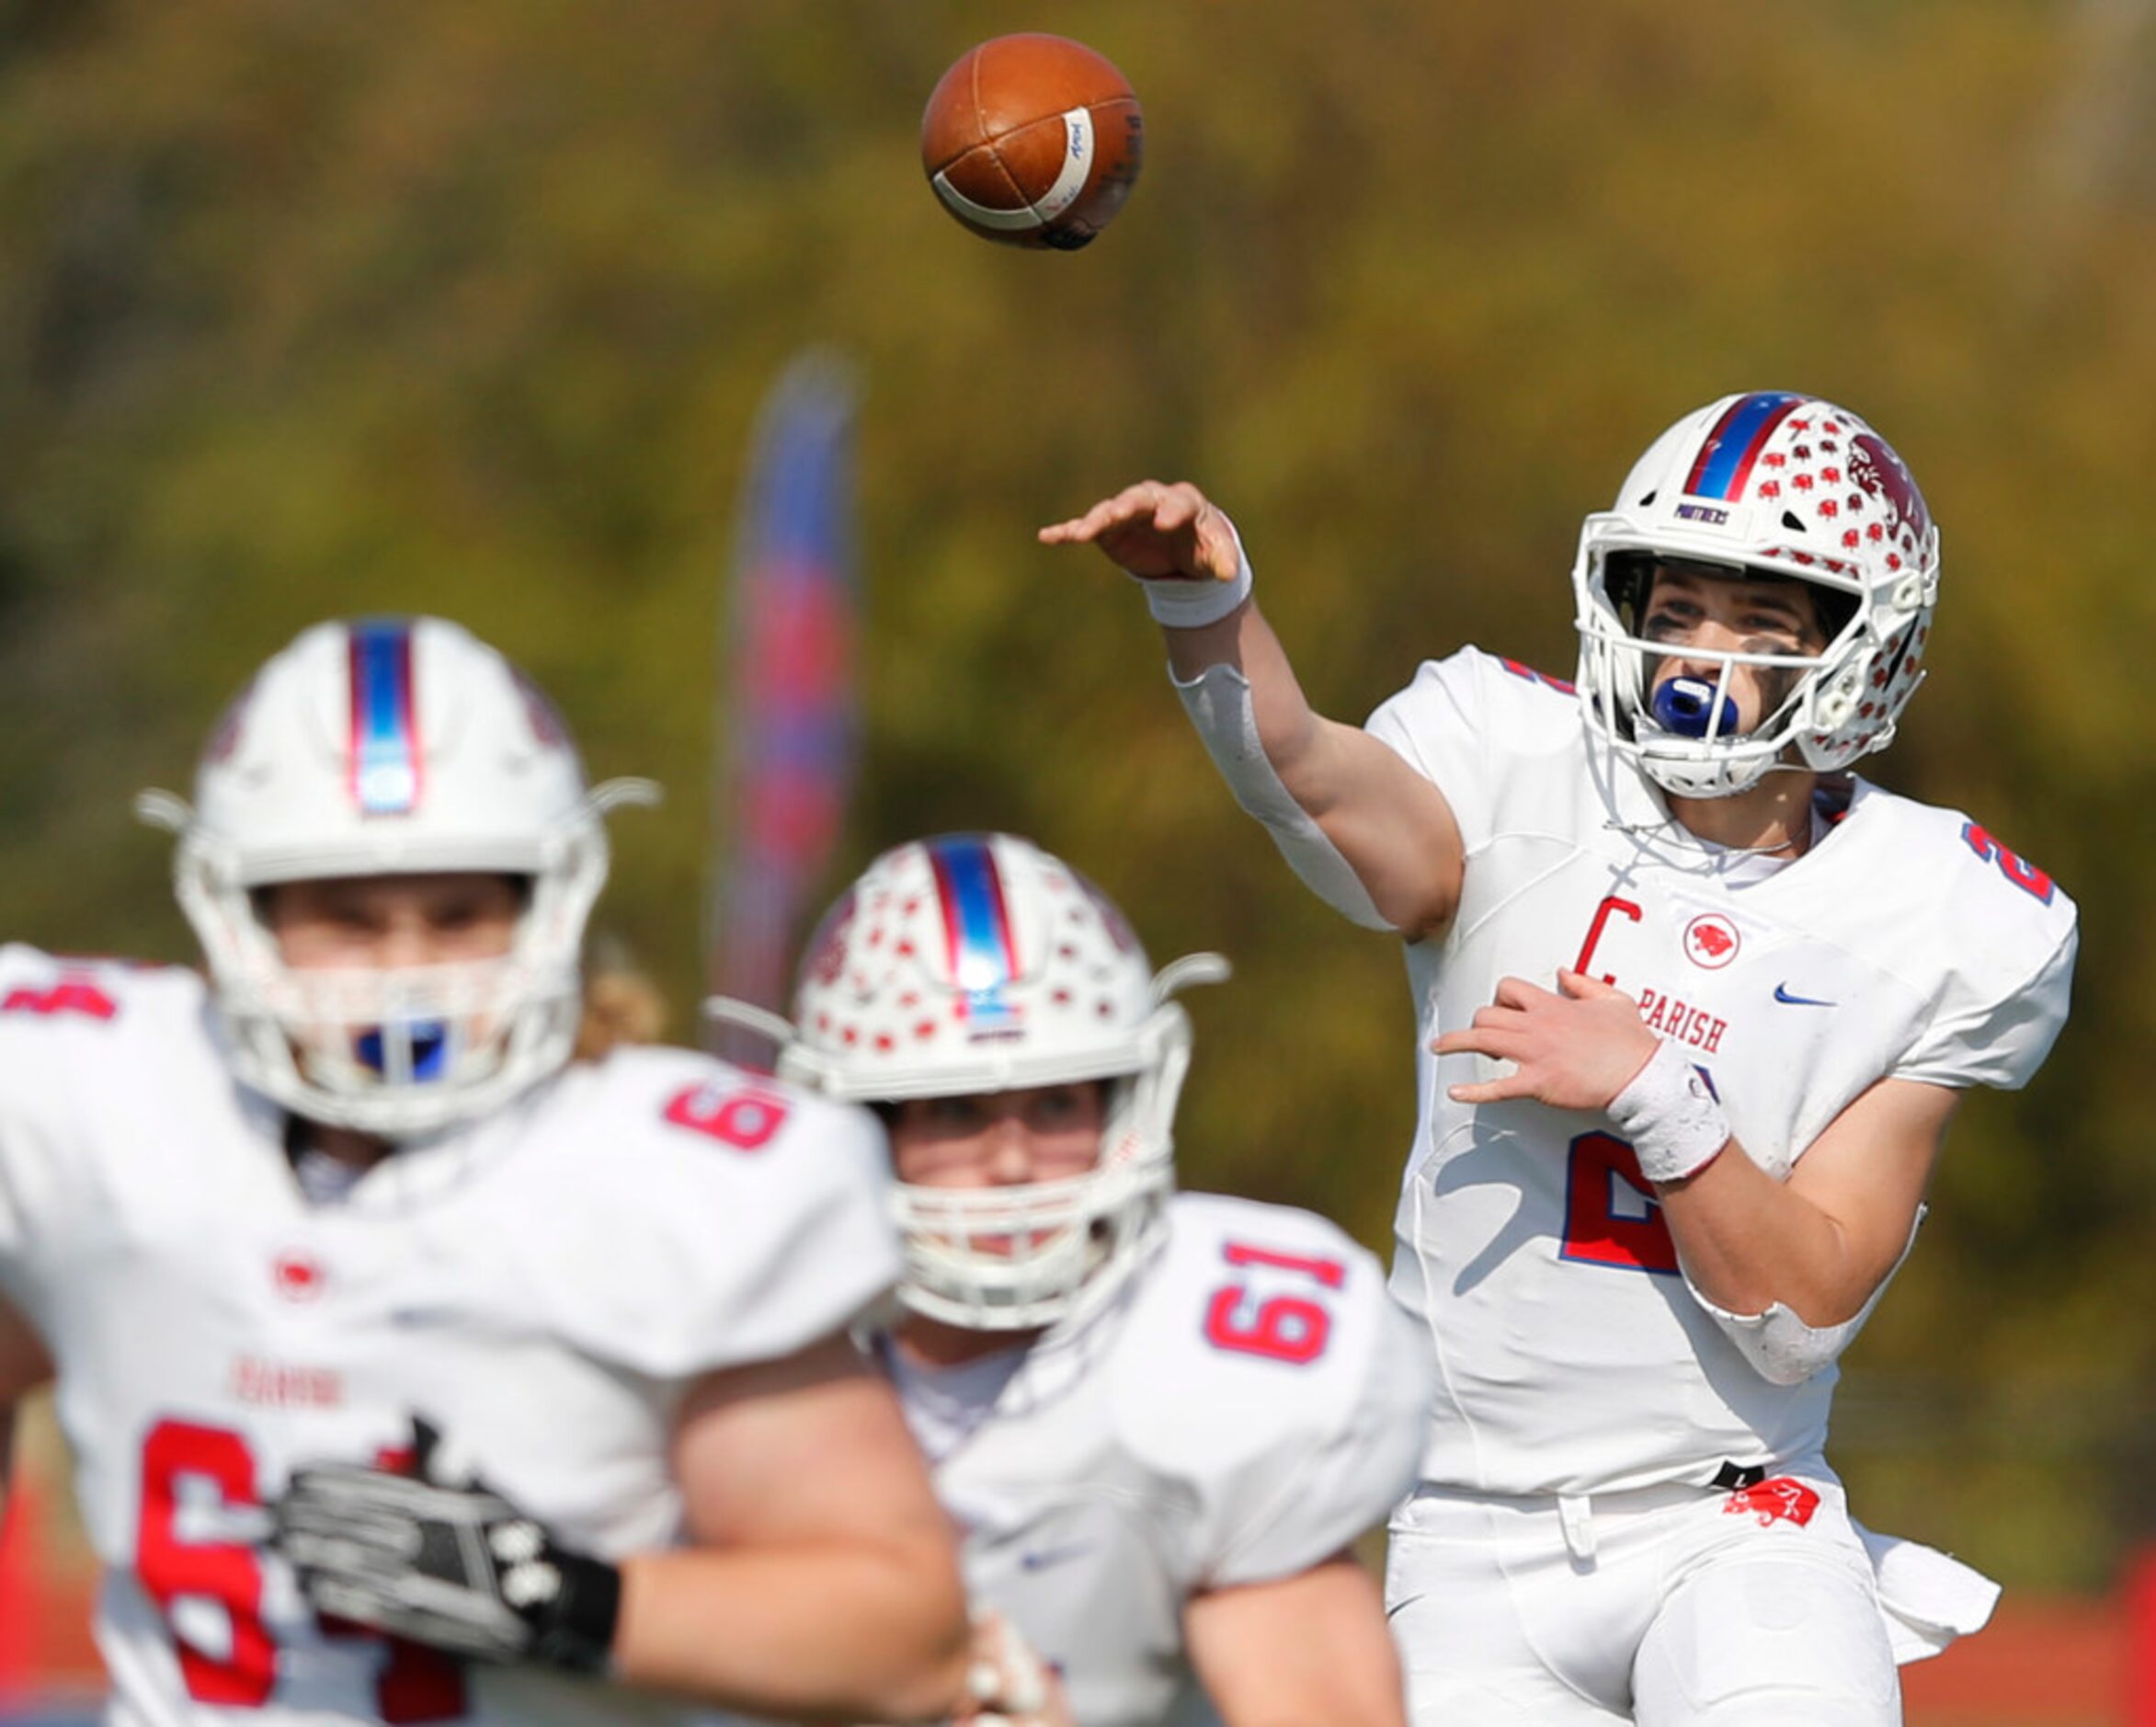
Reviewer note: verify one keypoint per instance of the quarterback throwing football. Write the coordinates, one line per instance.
(1696, 1006)
(1160, 1419)
(411, 1373)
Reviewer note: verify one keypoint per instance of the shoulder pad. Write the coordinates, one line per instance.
(701, 1216)
(1265, 1371)
(56, 989)
(1466, 721)
(1985, 932)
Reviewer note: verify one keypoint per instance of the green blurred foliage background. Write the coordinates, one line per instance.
(311, 308)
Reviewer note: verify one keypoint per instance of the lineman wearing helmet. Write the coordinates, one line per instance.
(411, 1373)
(1696, 1006)
(1160, 1419)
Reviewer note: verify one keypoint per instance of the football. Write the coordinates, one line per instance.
(1033, 140)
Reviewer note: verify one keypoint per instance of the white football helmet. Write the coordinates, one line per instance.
(978, 963)
(390, 746)
(1782, 484)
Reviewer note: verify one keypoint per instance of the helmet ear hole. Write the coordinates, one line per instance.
(1833, 607)
(1627, 579)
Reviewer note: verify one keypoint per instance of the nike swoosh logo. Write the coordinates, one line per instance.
(1039, 1559)
(1782, 994)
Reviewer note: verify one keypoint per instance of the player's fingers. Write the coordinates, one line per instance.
(1490, 1091)
(1178, 507)
(1129, 505)
(1220, 553)
(1578, 985)
(1499, 1044)
(1517, 992)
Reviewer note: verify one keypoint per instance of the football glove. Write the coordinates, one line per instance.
(457, 1568)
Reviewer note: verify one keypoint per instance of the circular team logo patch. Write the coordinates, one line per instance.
(299, 1276)
(1710, 940)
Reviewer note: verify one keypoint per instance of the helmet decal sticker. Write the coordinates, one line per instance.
(385, 728)
(1726, 458)
(1875, 469)
(976, 926)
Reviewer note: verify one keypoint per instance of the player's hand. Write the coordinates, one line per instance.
(1157, 533)
(457, 1568)
(1575, 1047)
(1007, 1683)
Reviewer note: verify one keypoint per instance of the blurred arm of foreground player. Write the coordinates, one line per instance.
(1313, 1647)
(823, 1584)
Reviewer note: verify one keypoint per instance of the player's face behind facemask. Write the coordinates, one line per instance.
(1731, 645)
(1005, 1182)
(377, 784)
(1767, 483)
(970, 970)
(401, 977)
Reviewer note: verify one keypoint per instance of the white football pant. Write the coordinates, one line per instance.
(1670, 1607)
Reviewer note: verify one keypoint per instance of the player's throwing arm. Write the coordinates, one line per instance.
(1364, 831)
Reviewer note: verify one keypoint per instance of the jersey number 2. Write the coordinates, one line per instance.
(1290, 1328)
(1612, 1216)
(188, 1576)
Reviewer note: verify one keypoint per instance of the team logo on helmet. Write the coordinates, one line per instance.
(826, 947)
(1118, 926)
(547, 725)
(232, 725)
(1876, 470)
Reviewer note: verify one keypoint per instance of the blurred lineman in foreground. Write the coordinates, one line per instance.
(1160, 1419)
(412, 1372)
(1695, 1005)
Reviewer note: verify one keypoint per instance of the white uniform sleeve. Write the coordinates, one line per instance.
(730, 1220)
(1477, 727)
(1439, 725)
(2001, 1000)
(1293, 1434)
(65, 1027)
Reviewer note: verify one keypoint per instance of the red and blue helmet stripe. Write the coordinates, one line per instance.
(976, 927)
(1726, 459)
(385, 728)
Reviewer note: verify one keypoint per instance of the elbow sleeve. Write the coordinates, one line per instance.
(1779, 1345)
(1218, 702)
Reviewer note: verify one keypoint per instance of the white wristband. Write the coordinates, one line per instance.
(1672, 1117)
(1183, 603)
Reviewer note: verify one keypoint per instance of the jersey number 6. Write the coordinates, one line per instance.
(190, 1578)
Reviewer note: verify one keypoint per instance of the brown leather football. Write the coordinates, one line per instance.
(1033, 140)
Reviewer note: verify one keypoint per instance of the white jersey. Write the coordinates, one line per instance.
(542, 1288)
(1907, 943)
(1250, 1402)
